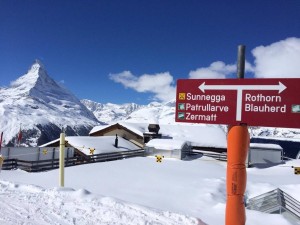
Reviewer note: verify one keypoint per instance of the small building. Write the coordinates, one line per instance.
(290, 146)
(86, 145)
(126, 131)
(264, 155)
(168, 148)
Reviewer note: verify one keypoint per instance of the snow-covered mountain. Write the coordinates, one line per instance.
(41, 107)
(154, 112)
(161, 113)
(110, 112)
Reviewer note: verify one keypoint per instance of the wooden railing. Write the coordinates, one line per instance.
(42, 165)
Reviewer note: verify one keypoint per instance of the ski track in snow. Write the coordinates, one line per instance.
(33, 205)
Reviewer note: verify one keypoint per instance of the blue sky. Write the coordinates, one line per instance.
(134, 51)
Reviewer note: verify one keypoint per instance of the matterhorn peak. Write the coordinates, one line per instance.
(36, 77)
(36, 66)
(37, 70)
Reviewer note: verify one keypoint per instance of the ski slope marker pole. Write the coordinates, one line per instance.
(61, 159)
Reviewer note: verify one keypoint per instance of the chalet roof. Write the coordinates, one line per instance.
(100, 144)
(136, 128)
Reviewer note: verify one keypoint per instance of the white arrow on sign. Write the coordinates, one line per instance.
(280, 87)
(239, 88)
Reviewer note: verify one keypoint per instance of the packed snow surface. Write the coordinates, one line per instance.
(137, 191)
(28, 204)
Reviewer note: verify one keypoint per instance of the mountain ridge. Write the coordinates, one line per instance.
(35, 102)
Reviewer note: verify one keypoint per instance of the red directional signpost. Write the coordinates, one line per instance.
(238, 103)
(255, 102)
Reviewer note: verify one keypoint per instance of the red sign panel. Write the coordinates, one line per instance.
(256, 102)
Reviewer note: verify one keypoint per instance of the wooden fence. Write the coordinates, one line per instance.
(49, 164)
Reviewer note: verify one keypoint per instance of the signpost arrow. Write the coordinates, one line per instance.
(280, 87)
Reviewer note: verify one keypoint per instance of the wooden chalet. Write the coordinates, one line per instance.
(133, 135)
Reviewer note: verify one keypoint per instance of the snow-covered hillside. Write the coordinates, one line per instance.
(154, 112)
(160, 113)
(41, 107)
(110, 112)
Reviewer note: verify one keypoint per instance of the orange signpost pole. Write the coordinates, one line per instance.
(237, 149)
(238, 141)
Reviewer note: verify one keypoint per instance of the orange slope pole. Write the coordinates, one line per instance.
(237, 149)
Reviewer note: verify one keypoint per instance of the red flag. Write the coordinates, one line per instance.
(20, 136)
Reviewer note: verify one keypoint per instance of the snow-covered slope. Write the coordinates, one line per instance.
(41, 107)
(34, 205)
(140, 190)
(155, 112)
(161, 113)
(110, 112)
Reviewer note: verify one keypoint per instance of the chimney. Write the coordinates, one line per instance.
(153, 133)
(153, 128)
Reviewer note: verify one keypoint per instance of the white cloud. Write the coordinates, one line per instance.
(217, 70)
(160, 84)
(280, 59)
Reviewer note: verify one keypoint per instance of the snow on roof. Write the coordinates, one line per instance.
(166, 144)
(198, 134)
(98, 128)
(100, 144)
(138, 128)
(265, 146)
(49, 143)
